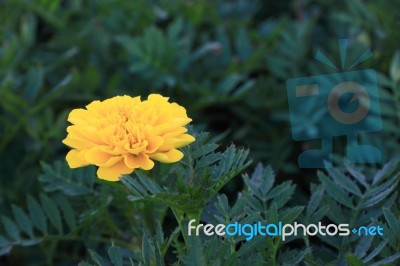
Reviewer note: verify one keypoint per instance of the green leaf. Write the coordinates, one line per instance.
(289, 215)
(84, 263)
(5, 250)
(363, 246)
(59, 177)
(318, 215)
(134, 186)
(249, 246)
(129, 44)
(37, 215)
(23, 220)
(142, 187)
(261, 181)
(158, 255)
(204, 150)
(52, 212)
(393, 223)
(232, 162)
(11, 228)
(242, 44)
(379, 197)
(356, 174)
(174, 30)
(67, 211)
(315, 200)
(148, 184)
(226, 85)
(352, 260)
(297, 258)
(252, 202)
(375, 252)
(241, 90)
(222, 205)
(388, 169)
(28, 29)
(395, 67)
(390, 259)
(97, 258)
(344, 181)
(3, 242)
(334, 191)
(208, 160)
(34, 83)
(281, 192)
(375, 190)
(115, 255)
(196, 253)
(147, 249)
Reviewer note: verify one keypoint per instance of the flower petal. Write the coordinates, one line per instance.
(184, 140)
(141, 161)
(88, 133)
(154, 143)
(170, 143)
(76, 143)
(100, 158)
(171, 156)
(75, 159)
(113, 173)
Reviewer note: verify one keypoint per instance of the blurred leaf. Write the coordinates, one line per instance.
(67, 211)
(11, 228)
(36, 214)
(23, 220)
(352, 260)
(334, 191)
(52, 212)
(315, 200)
(395, 67)
(147, 249)
(115, 256)
(34, 83)
(261, 181)
(97, 258)
(59, 177)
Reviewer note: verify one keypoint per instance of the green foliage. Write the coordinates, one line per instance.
(357, 199)
(72, 183)
(162, 63)
(260, 202)
(191, 189)
(44, 219)
(115, 257)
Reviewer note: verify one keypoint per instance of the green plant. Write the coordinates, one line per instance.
(191, 189)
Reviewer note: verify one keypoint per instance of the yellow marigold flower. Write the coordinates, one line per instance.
(123, 133)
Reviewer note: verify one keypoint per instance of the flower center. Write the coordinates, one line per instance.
(128, 133)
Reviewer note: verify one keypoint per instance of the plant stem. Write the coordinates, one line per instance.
(179, 219)
(275, 250)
